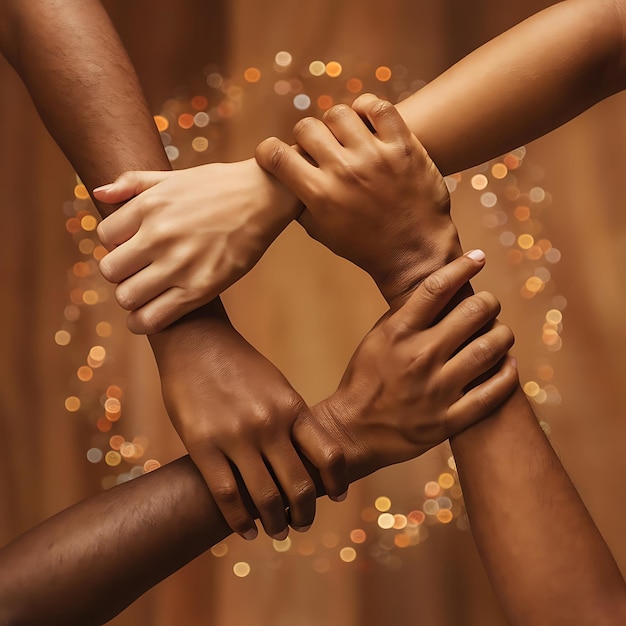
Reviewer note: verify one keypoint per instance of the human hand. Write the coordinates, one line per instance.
(187, 235)
(374, 198)
(238, 416)
(413, 382)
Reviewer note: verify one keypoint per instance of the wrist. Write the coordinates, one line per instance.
(412, 264)
(339, 418)
(192, 332)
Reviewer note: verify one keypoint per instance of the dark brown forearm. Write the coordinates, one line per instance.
(84, 87)
(86, 564)
(546, 560)
(89, 562)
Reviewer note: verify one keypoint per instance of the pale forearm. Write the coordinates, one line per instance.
(83, 85)
(522, 84)
(545, 557)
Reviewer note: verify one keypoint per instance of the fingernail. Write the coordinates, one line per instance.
(342, 497)
(281, 536)
(476, 255)
(103, 187)
(251, 534)
(513, 361)
(301, 529)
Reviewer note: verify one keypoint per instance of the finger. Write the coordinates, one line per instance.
(220, 480)
(289, 167)
(265, 495)
(325, 454)
(128, 185)
(160, 312)
(119, 227)
(125, 260)
(478, 357)
(434, 293)
(145, 285)
(346, 125)
(483, 399)
(317, 139)
(297, 485)
(383, 117)
(466, 319)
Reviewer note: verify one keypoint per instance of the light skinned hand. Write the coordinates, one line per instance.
(183, 237)
(375, 198)
(416, 379)
(238, 416)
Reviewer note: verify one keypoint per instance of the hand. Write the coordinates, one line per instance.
(414, 382)
(374, 198)
(187, 236)
(238, 415)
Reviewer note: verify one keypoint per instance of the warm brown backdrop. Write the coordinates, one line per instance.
(309, 311)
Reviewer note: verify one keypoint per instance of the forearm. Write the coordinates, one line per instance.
(83, 85)
(89, 562)
(524, 83)
(545, 557)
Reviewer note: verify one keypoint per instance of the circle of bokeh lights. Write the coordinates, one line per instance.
(508, 195)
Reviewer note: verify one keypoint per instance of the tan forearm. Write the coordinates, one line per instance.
(524, 83)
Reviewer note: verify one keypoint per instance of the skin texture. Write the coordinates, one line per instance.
(134, 535)
(546, 560)
(590, 587)
(89, 98)
(549, 69)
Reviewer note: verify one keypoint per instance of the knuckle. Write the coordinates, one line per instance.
(303, 127)
(304, 491)
(492, 304)
(475, 307)
(107, 270)
(127, 178)
(484, 350)
(143, 322)
(226, 494)
(333, 458)
(125, 298)
(269, 153)
(336, 112)
(263, 418)
(381, 108)
(293, 404)
(436, 285)
(269, 499)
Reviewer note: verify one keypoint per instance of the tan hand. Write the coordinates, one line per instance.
(374, 198)
(406, 387)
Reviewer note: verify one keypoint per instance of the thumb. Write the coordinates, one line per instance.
(128, 185)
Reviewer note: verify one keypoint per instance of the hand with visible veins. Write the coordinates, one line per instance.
(413, 382)
(402, 393)
(183, 237)
(371, 192)
(243, 423)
